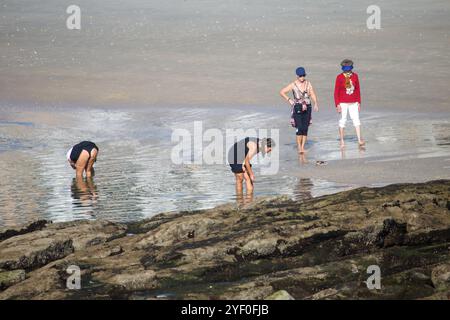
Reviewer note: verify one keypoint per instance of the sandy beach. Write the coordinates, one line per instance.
(132, 75)
(221, 54)
(160, 220)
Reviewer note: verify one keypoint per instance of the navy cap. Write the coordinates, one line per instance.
(300, 71)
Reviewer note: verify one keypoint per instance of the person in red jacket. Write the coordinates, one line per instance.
(347, 98)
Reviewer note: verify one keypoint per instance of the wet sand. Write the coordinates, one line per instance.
(204, 53)
(136, 179)
(381, 172)
(134, 74)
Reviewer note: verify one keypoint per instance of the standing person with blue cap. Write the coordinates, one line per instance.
(347, 97)
(303, 93)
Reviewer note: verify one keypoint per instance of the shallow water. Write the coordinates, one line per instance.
(135, 177)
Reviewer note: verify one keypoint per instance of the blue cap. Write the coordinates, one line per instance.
(347, 68)
(300, 71)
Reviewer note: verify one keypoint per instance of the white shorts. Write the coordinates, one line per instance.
(68, 154)
(351, 108)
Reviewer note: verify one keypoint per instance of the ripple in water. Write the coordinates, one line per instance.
(135, 177)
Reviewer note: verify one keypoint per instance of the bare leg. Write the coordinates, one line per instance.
(299, 144)
(358, 133)
(81, 164)
(239, 179)
(248, 198)
(248, 183)
(303, 143)
(90, 165)
(341, 135)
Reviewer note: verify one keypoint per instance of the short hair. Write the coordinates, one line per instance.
(267, 142)
(347, 63)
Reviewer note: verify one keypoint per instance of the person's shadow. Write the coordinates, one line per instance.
(84, 191)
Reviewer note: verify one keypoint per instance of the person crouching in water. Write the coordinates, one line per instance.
(82, 157)
(303, 93)
(239, 158)
(347, 97)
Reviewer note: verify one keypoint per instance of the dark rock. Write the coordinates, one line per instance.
(34, 226)
(38, 258)
(9, 278)
(392, 233)
(116, 251)
(319, 248)
(440, 276)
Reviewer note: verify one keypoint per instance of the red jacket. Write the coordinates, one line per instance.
(341, 94)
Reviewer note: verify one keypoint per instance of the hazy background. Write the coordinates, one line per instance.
(209, 53)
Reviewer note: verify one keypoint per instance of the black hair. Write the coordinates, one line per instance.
(267, 142)
(347, 63)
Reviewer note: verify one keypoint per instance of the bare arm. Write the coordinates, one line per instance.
(252, 150)
(284, 92)
(314, 97)
(337, 89)
(79, 172)
(90, 168)
(72, 164)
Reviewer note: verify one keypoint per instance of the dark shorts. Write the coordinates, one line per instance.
(302, 119)
(237, 168)
(78, 148)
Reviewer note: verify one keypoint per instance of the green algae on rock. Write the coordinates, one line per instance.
(319, 248)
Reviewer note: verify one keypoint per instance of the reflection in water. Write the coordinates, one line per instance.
(302, 158)
(84, 192)
(141, 180)
(343, 157)
(243, 200)
(362, 151)
(303, 189)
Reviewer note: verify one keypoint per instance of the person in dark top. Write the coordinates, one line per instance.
(82, 157)
(239, 158)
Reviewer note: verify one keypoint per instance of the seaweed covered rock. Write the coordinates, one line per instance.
(319, 248)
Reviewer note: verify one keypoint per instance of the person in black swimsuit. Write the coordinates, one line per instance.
(82, 157)
(239, 158)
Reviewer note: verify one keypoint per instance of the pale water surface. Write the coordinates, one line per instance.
(135, 177)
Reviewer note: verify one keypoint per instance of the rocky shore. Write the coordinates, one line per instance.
(274, 248)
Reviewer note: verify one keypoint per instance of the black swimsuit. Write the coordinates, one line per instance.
(78, 148)
(238, 152)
